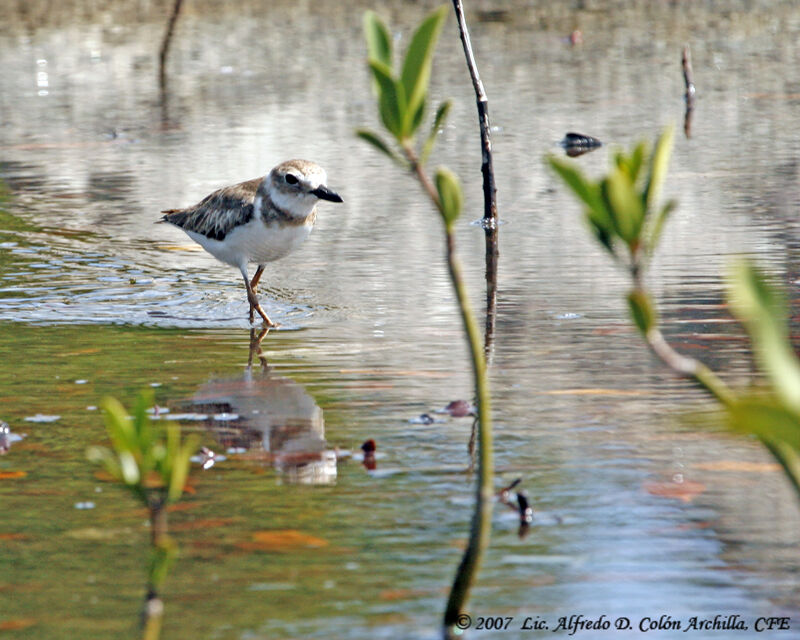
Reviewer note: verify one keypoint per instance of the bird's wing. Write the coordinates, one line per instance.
(216, 215)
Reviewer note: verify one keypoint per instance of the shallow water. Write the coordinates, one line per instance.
(637, 511)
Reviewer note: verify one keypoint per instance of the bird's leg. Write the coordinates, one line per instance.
(254, 286)
(257, 277)
(253, 300)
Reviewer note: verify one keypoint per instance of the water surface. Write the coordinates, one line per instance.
(638, 512)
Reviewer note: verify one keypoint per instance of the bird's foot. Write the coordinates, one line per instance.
(267, 322)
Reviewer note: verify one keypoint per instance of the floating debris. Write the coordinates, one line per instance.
(226, 417)
(84, 505)
(575, 38)
(525, 511)
(207, 458)
(7, 438)
(40, 417)
(424, 418)
(236, 450)
(504, 495)
(156, 411)
(81, 381)
(369, 448)
(460, 409)
(576, 144)
(198, 417)
(5, 431)
(522, 506)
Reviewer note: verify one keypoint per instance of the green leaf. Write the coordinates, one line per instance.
(587, 190)
(450, 195)
(624, 205)
(105, 457)
(141, 419)
(441, 116)
(391, 99)
(763, 311)
(602, 234)
(765, 418)
(416, 118)
(438, 121)
(129, 468)
(654, 234)
(659, 163)
(379, 42)
(119, 426)
(376, 141)
(416, 72)
(631, 164)
(635, 161)
(180, 467)
(642, 310)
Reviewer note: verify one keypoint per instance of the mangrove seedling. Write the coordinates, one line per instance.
(402, 98)
(153, 464)
(622, 211)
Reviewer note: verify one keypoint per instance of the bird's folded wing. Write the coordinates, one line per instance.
(219, 213)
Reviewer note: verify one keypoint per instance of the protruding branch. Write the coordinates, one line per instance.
(162, 56)
(489, 187)
(686, 64)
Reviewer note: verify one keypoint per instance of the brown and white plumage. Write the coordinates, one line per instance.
(257, 221)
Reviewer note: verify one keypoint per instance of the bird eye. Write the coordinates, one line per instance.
(291, 179)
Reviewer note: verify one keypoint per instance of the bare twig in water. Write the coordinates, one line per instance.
(162, 56)
(489, 188)
(686, 63)
(482, 516)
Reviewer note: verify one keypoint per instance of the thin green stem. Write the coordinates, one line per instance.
(688, 367)
(481, 525)
(482, 517)
(153, 616)
(789, 459)
(680, 364)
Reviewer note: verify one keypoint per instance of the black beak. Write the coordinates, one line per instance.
(323, 193)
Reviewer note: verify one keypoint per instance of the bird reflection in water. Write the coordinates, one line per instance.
(268, 418)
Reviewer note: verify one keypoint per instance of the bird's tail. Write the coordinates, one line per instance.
(173, 216)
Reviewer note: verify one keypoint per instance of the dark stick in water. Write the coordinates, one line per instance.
(162, 56)
(686, 64)
(489, 187)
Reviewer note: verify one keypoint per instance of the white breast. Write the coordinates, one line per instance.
(254, 242)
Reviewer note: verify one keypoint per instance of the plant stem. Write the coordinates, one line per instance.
(480, 527)
(482, 516)
(789, 459)
(153, 615)
(688, 367)
(680, 364)
(158, 521)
